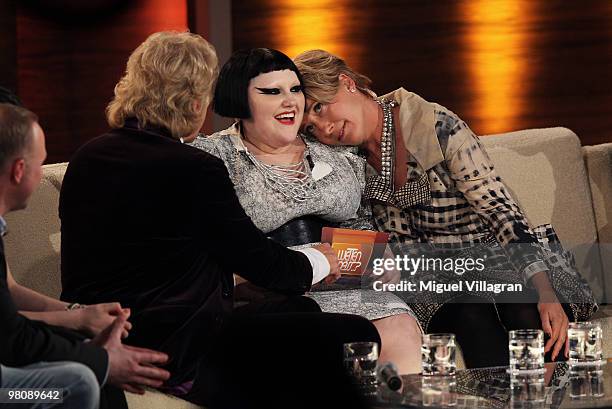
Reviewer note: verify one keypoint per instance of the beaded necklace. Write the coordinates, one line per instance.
(387, 140)
(294, 180)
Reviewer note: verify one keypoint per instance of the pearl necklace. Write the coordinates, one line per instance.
(294, 180)
(387, 140)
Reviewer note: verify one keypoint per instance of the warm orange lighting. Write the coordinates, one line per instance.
(309, 24)
(496, 39)
(165, 15)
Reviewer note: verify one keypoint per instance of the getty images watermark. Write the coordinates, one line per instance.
(457, 266)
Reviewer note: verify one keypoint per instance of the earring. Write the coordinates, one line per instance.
(352, 90)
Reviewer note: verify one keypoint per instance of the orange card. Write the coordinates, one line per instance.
(355, 247)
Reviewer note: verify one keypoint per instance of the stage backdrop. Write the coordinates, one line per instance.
(501, 65)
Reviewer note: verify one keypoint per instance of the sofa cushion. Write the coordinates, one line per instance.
(598, 160)
(153, 399)
(545, 172)
(32, 244)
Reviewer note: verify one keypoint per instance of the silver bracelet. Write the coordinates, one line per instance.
(74, 306)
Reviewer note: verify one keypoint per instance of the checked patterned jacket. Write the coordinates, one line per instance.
(453, 195)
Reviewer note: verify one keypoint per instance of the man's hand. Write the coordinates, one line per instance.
(131, 368)
(554, 323)
(332, 258)
(93, 319)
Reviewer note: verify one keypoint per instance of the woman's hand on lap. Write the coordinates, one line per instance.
(554, 323)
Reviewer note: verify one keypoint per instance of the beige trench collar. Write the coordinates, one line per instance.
(418, 122)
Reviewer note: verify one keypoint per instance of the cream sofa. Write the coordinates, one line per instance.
(551, 175)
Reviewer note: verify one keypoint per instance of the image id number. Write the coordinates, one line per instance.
(30, 395)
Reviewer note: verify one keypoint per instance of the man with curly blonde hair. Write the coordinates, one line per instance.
(168, 83)
(155, 224)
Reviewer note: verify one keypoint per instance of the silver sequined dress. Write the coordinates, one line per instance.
(338, 201)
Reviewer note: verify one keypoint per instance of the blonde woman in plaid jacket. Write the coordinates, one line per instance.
(432, 186)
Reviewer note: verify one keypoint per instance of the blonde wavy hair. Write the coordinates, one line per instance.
(165, 75)
(321, 70)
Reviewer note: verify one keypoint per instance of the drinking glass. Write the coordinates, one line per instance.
(585, 360)
(438, 354)
(526, 348)
(360, 360)
(585, 342)
(526, 351)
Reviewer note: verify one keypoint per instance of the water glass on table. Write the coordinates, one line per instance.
(585, 360)
(439, 384)
(438, 354)
(360, 360)
(526, 351)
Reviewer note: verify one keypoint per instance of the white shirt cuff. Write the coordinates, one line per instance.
(319, 263)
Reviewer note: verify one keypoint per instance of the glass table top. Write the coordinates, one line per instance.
(489, 388)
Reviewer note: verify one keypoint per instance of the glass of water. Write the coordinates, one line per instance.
(585, 359)
(585, 342)
(438, 354)
(526, 348)
(360, 360)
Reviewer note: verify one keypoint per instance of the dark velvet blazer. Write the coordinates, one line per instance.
(156, 225)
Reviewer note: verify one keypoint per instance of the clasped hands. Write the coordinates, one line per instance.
(130, 368)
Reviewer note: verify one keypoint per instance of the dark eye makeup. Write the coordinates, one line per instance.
(277, 91)
(269, 91)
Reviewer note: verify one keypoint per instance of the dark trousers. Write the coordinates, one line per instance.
(284, 354)
(481, 328)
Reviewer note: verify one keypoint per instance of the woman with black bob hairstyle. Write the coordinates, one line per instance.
(231, 93)
(292, 186)
(178, 233)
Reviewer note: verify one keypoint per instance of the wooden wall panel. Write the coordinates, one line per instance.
(71, 56)
(8, 44)
(212, 20)
(501, 65)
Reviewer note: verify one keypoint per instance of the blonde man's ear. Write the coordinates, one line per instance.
(197, 105)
